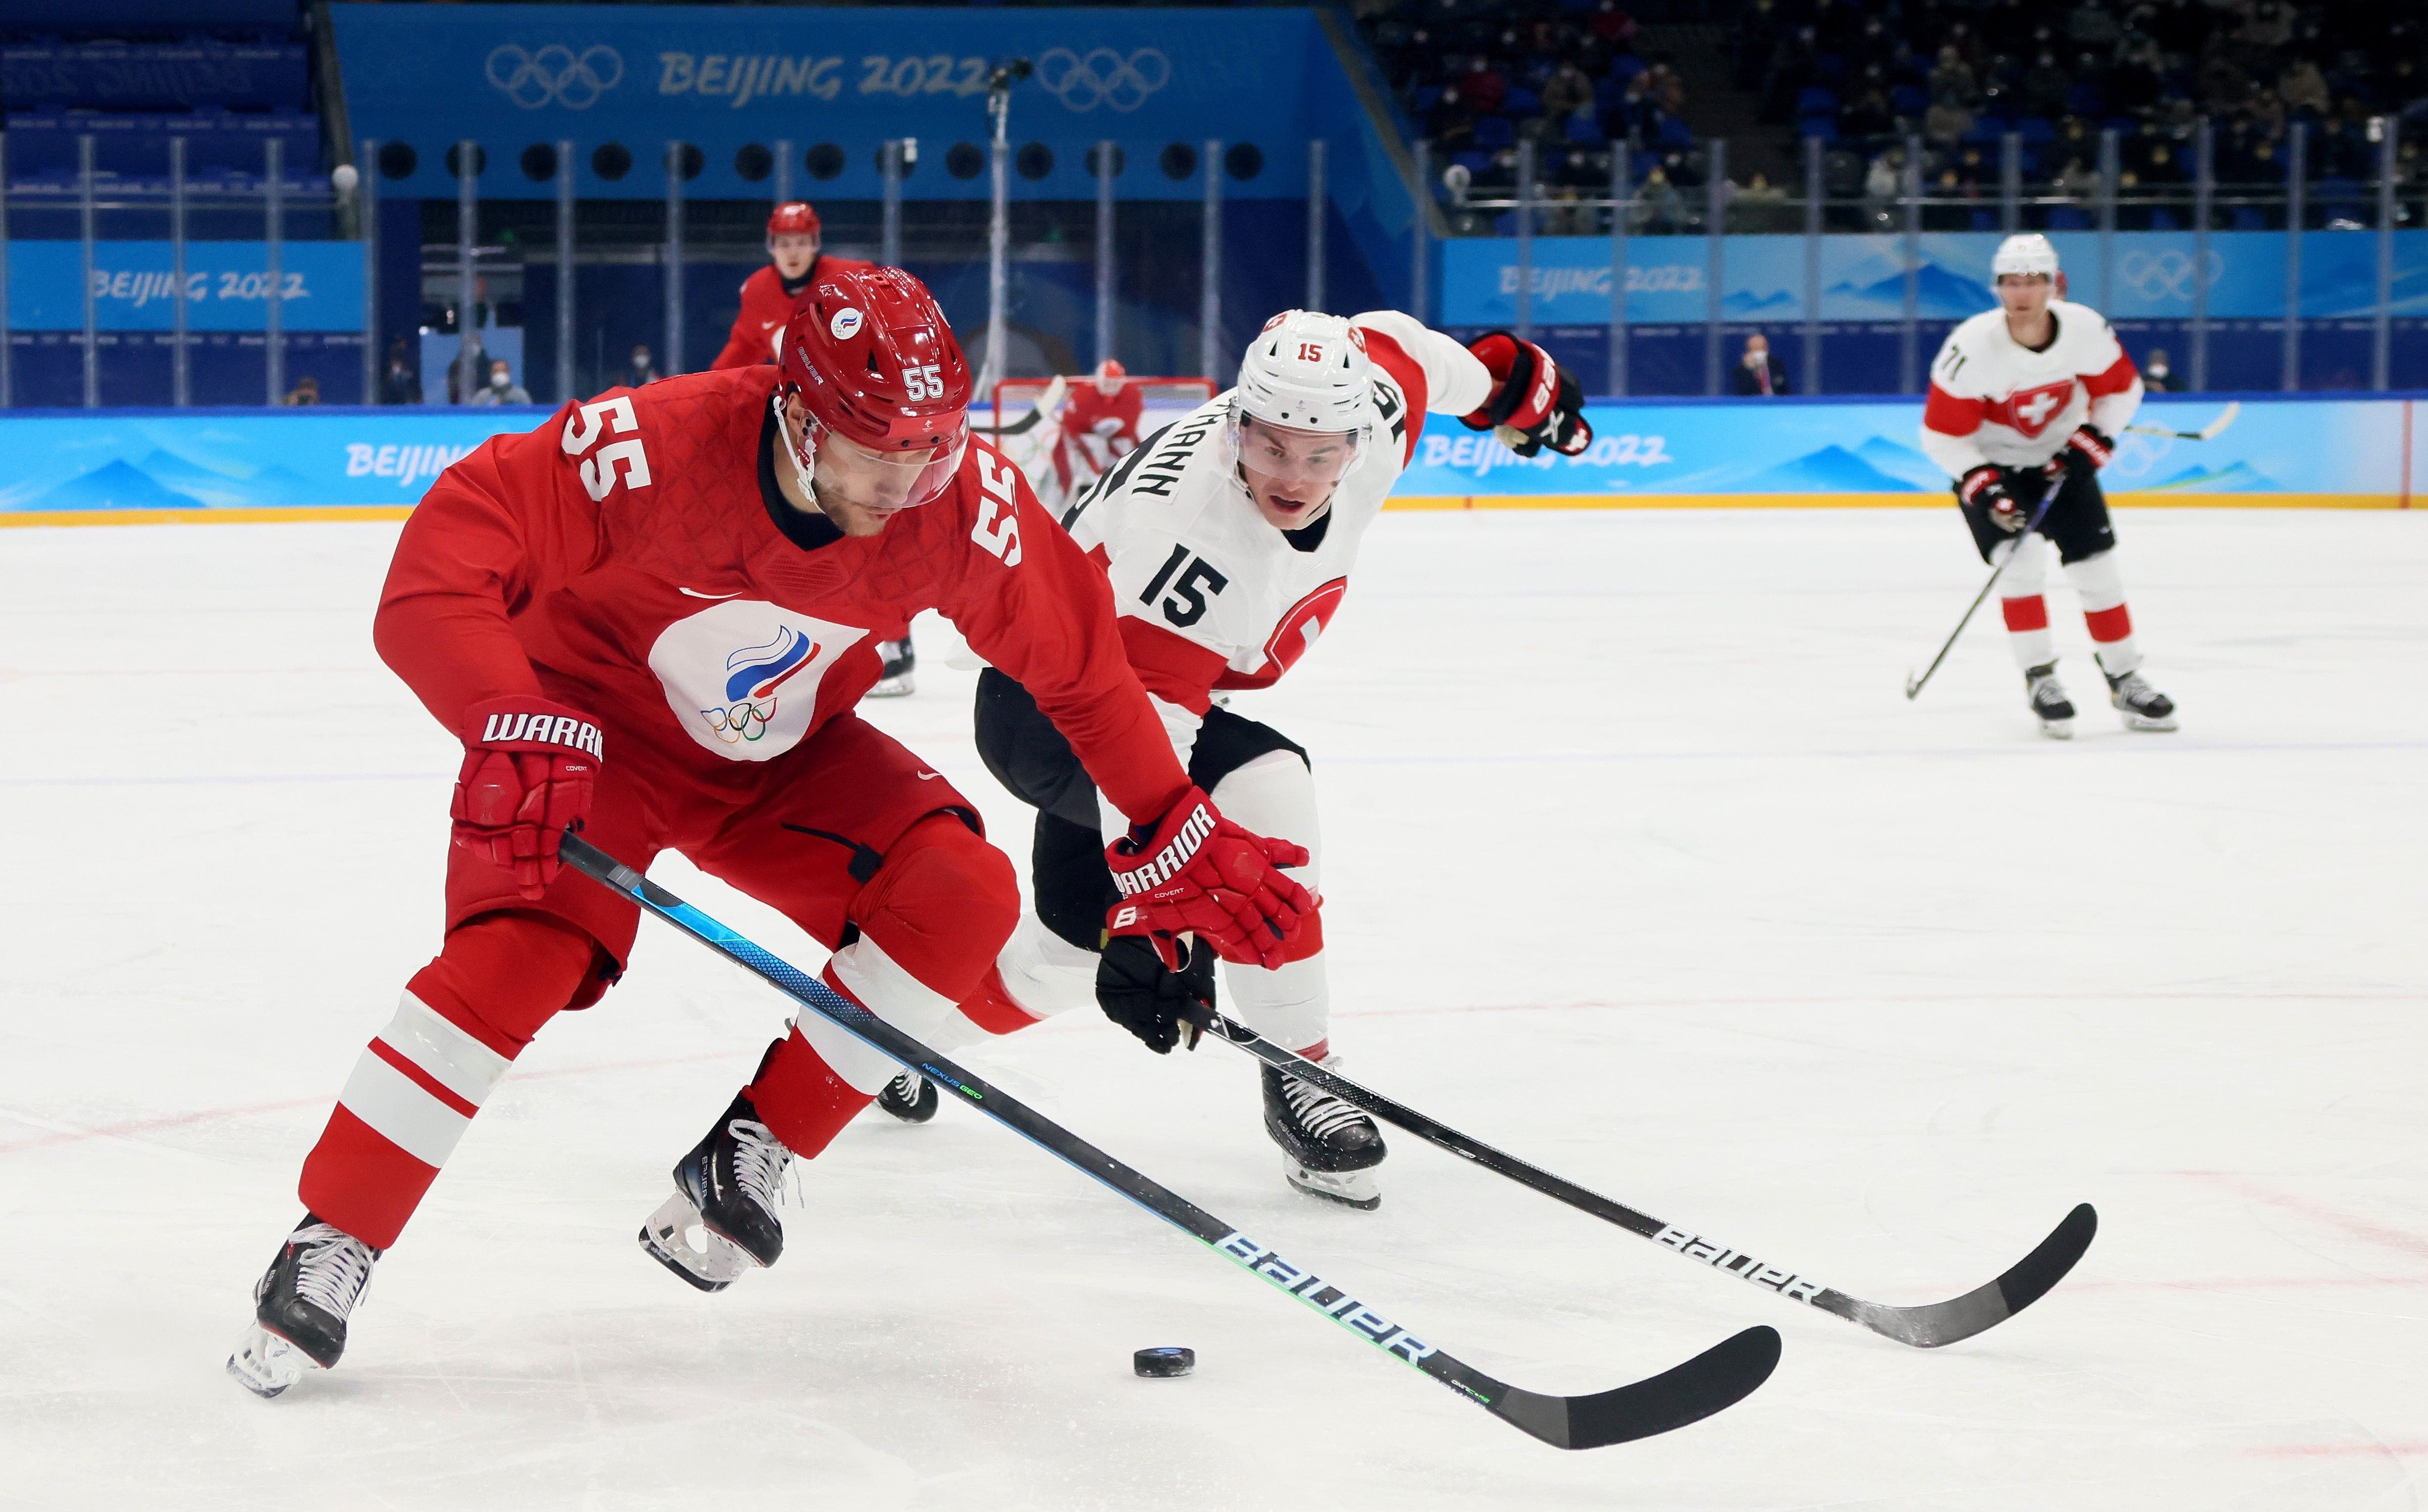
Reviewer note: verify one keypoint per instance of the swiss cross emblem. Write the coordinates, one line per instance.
(2029, 410)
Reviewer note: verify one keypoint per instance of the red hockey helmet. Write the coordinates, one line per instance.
(877, 369)
(793, 218)
(1109, 375)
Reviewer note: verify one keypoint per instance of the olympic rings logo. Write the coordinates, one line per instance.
(556, 73)
(747, 720)
(1103, 76)
(2166, 275)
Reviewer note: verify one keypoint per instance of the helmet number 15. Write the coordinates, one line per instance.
(926, 382)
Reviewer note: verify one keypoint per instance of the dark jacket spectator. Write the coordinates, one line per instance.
(1484, 87)
(1566, 93)
(1759, 372)
(400, 383)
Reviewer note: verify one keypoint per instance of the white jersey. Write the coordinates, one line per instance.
(1993, 399)
(1210, 597)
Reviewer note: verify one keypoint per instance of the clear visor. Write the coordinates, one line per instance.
(1293, 456)
(833, 464)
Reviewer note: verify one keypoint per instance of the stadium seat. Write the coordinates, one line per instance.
(2035, 129)
(2068, 218)
(1824, 128)
(1812, 100)
(1523, 101)
(1909, 100)
(1674, 132)
(1584, 130)
(1495, 132)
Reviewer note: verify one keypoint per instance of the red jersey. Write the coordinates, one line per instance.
(1088, 410)
(766, 304)
(627, 558)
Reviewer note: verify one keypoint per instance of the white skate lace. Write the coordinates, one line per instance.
(2133, 690)
(759, 1161)
(333, 1268)
(1316, 1110)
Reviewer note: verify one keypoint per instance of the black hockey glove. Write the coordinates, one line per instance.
(1985, 487)
(1162, 1007)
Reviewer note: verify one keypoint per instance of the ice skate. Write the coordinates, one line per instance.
(2049, 702)
(721, 1219)
(1330, 1147)
(909, 1097)
(301, 1304)
(898, 659)
(2142, 706)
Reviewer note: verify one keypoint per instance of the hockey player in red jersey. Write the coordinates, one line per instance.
(648, 619)
(1229, 536)
(1100, 424)
(2027, 398)
(795, 258)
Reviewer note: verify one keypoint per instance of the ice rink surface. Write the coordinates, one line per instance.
(1639, 865)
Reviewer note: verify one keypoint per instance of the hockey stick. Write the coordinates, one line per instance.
(1924, 1327)
(2207, 433)
(1913, 684)
(1718, 1378)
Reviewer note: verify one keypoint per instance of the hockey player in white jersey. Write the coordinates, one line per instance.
(2026, 399)
(1229, 536)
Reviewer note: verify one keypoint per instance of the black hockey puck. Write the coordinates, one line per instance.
(1170, 1360)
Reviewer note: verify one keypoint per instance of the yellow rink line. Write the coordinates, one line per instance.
(1432, 501)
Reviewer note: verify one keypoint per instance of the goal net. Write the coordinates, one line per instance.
(1167, 398)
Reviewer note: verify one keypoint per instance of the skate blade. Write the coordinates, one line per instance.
(1350, 1189)
(900, 686)
(2142, 721)
(2058, 729)
(716, 1262)
(265, 1364)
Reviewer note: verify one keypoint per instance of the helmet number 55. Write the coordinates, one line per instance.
(926, 382)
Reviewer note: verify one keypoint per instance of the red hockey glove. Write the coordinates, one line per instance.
(1985, 487)
(2088, 449)
(528, 769)
(1198, 873)
(1534, 403)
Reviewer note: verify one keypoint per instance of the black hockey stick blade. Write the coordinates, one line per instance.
(1718, 1378)
(1713, 1380)
(1924, 1327)
(1985, 1307)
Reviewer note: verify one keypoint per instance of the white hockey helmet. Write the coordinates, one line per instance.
(1308, 371)
(2029, 253)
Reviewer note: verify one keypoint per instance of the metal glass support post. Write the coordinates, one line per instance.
(783, 177)
(2297, 219)
(566, 272)
(467, 225)
(1815, 186)
(998, 236)
(1621, 165)
(1909, 330)
(1715, 242)
(367, 225)
(2010, 183)
(674, 360)
(92, 335)
(1526, 237)
(274, 247)
(1420, 201)
(8, 358)
(2111, 160)
(2381, 357)
(180, 365)
(2203, 196)
(1314, 215)
(1209, 261)
(1104, 272)
(889, 235)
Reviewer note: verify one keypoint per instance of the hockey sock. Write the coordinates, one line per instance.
(800, 1098)
(418, 1083)
(2020, 601)
(2102, 588)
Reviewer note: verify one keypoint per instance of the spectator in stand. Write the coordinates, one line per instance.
(1760, 208)
(1482, 85)
(1450, 124)
(1758, 35)
(1659, 210)
(2093, 25)
(307, 392)
(1566, 93)
(1612, 25)
(1882, 184)
(2302, 86)
(2156, 375)
(2045, 87)
(1870, 113)
(1946, 122)
(1952, 80)
(642, 369)
(463, 374)
(501, 388)
(1759, 372)
(400, 383)
(1664, 88)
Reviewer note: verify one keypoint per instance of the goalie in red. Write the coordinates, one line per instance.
(649, 620)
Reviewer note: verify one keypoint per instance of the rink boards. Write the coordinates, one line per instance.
(127, 467)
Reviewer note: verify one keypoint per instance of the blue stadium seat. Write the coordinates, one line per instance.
(1812, 100)
(1909, 99)
(2247, 218)
(1674, 132)
(1985, 219)
(2035, 129)
(1584, 130)
(1423, 97)
(1495, 132)
(2083, 99)
(2162, 219)
(1523, 101)
(1473, 161)
(1824, 128)
(2068, 218)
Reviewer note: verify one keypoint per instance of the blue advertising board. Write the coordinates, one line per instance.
(724, 78)
(227, 285)
(2276, 451)
(1863, 277)
(74, 467)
